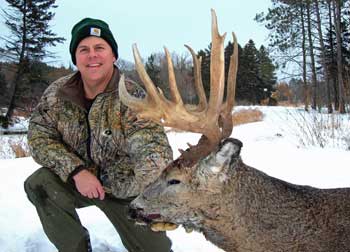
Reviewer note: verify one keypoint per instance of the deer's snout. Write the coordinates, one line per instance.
(140, 216)
(132, 214)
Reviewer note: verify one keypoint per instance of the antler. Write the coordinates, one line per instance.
(212, 119)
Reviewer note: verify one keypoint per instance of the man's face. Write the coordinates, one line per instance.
(94, 60)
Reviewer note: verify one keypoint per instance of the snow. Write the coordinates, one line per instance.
(274, 146)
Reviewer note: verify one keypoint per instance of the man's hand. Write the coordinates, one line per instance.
(88, 185)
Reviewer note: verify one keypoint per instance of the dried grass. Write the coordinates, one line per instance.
(245, 116)
(19, 150)
(22, 112)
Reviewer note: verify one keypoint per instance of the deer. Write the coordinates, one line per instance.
(211, 190)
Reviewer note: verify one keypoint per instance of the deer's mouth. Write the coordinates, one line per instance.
(151, 220)
(142, 218)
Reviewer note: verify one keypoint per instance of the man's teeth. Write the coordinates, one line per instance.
(93, 65)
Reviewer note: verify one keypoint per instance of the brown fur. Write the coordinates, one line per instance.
(241, 209)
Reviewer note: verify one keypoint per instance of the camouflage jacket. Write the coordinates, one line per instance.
(124, 153)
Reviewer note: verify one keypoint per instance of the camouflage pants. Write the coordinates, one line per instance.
(56, 204)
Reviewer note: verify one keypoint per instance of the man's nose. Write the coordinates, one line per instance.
(92, 53)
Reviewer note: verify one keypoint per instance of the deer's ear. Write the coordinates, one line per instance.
(228, 149)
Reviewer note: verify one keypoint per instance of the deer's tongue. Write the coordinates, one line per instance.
(152, 216)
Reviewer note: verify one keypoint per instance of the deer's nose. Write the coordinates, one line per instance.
(134, 212)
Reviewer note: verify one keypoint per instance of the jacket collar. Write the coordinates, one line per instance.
(73, 89)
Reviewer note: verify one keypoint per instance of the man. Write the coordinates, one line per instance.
(92, 148)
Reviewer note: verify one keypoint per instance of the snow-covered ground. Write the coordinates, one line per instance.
(8, 142)
(276, 146)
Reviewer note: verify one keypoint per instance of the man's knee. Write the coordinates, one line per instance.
(34, 185)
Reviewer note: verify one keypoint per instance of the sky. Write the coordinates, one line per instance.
(154, 24)
(272, 146)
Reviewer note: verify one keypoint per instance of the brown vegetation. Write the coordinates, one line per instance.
(19, 150)
(244, 116)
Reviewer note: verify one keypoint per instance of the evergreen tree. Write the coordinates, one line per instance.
(152, 69)
(157, 71)
(267, 76)
(28, 22)
(249, 85)
(255, 75)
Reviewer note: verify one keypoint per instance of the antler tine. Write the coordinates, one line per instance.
(197, 62)
(217, 70)
(146, 80)
(143, 107)
(175, 95)
(232, 75)
(227, 107)
(126, 98)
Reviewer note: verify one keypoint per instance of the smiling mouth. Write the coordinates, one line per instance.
(94, 65)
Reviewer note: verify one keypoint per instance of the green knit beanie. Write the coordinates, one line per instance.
(91, 27)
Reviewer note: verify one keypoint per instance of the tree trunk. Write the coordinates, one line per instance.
(11, 105)
(315, 100)
(22, 64)
(337, 17)
(332, 65)
(306, 88)
(323, 57)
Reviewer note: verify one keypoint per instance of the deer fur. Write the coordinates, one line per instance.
(240, 209)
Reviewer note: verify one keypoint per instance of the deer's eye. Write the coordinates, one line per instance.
(174, 182)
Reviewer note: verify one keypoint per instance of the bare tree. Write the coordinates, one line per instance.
(315, 101)
(303, 46)
(323, 57)
(341, 89)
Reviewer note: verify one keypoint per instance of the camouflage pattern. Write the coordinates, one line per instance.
(125, 153)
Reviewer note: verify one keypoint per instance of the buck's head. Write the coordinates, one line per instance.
(184, 195)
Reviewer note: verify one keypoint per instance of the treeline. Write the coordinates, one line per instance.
(32, 84)
(311, 39)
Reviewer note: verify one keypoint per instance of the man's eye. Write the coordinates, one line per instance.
(174, 182)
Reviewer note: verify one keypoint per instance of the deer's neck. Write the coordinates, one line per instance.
(217, 235)
(251, 203)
